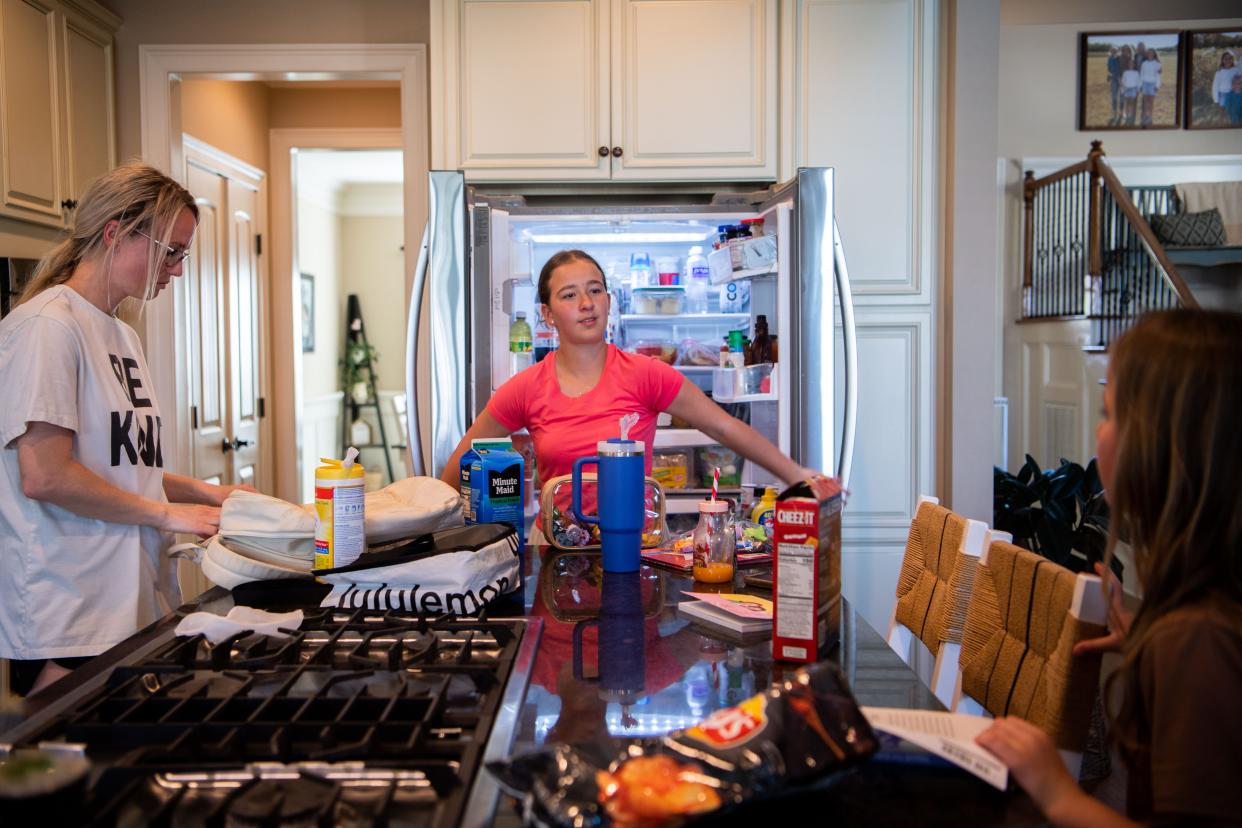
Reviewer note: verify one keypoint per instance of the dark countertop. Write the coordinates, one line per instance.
(668, 673)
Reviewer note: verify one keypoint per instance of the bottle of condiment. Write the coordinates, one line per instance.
(714, 543)
(764, 512)
(761, 346)
(724, 355)
(737, 355)
(754, 227)
(737, 237)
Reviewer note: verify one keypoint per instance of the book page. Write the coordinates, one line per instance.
(750, 607)
(950, 736)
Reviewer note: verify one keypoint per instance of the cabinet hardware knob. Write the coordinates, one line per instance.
(603, 152)
(226, 446)
(616, 152)
(69, 204)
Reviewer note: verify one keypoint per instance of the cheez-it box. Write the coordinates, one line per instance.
(806, 570)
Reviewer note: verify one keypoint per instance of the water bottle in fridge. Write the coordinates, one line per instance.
(521, 345)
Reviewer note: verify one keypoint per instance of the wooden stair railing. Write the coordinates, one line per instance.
(1089, 252)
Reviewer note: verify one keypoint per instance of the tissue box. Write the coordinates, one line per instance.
(806, 570)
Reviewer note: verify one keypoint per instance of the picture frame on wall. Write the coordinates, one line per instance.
(1116, 92)
(308, 313)
(1214, 78)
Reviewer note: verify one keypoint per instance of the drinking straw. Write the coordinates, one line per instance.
(715, 480)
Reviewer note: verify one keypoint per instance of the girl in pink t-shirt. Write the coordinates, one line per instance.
(574, 398)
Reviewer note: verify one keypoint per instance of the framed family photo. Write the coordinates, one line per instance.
(1214, 79)
(1129, 80)
(308, 313)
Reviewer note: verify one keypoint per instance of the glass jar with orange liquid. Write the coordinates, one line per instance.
(714, 543)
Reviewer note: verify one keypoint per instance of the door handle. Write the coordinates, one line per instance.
(239, 443)
(603, 152)
(226, 446)
(616, 152)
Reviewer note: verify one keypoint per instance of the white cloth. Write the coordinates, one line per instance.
(217, 628)
(73, 586)
(1150, 72)
(1222, 83)
(1225, 196)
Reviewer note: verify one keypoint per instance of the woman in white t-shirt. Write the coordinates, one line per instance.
(1222, 83)
(1149, 78)
(85, 504)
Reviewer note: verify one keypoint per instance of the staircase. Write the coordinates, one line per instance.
(1089, 252)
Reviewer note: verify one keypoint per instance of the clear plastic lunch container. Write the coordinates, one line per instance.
(730, 384)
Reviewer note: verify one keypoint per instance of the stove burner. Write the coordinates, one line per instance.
(359, 718)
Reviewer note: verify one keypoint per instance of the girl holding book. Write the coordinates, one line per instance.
(1169, 448)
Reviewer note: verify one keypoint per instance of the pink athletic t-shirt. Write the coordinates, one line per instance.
(566, 428)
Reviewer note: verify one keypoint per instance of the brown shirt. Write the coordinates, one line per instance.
(1190, 731)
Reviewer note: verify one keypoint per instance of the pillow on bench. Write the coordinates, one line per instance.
(1204, 229)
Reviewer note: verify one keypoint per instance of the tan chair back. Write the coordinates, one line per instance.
(1025, 616)
(934, 586)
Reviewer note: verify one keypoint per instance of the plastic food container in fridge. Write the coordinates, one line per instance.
(669, 301)
(729, 384)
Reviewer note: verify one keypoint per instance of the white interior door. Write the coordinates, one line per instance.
(223, 309)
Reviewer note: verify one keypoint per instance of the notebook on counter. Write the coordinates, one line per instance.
(744, 615)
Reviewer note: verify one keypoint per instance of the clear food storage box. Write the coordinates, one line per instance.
(564, 531)
(749, 381)
(660, 349)
(669, 301)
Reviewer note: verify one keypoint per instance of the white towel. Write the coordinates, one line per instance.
(219, 628)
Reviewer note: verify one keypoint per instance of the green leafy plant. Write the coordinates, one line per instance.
(1059, 513)
(357, 354)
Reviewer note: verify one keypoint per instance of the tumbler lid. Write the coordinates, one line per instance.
(713, 507)
(616, 447)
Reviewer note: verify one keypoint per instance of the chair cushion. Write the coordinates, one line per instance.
(1204, 229)
(1017, 645)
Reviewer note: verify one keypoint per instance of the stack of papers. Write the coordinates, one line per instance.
(742, 614)
(684, 561)
(951, 736)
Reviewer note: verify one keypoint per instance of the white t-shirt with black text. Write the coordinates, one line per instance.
(73, 586)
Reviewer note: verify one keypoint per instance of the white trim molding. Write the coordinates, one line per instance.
(161, 66)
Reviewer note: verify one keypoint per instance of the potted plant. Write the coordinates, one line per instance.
(358, 354)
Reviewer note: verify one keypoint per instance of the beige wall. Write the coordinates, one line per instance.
(319, 254)
(336, 107)
(246, 21)
(1039, 77)
(373, 266)
(230, 115)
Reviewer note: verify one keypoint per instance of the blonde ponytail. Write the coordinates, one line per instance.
(137, 195)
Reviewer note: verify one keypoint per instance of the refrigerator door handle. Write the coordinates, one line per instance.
(850, 337)
(413, 438)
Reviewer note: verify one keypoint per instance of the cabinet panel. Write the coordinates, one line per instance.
(893, 445)
(30, 112)
(88, 91)
(533, 92)
(867, 64)
(694, 88)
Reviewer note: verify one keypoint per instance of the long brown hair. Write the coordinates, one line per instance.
(1177, 397)
(135, 194)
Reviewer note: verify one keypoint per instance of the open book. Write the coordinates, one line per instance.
(951, 736)
(684, 561)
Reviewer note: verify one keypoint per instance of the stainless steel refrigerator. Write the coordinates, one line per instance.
(480, 258)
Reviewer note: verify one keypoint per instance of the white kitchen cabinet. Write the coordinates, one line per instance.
(56, 105)
(583, 90)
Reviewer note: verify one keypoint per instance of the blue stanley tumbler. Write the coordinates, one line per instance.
(621, 491)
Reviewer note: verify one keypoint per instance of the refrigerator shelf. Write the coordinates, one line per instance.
(751, 273)
(686, 501)
(681, 438)
(687, 318)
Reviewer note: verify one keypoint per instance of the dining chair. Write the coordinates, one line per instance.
(932, 591)
(1026, 614)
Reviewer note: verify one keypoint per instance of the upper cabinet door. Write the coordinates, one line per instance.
(694, 89)
(30, 138)
(88, 111)
(532, 81)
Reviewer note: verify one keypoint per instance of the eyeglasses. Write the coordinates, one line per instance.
(172, 256)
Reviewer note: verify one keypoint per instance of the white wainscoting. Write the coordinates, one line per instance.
(321, 436)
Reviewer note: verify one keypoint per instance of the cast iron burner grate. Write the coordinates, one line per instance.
(357, 716)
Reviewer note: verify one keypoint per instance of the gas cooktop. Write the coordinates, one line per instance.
(359, 717)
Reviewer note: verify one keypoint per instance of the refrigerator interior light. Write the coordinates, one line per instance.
(622, 237)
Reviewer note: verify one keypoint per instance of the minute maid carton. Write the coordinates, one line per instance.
(492, 484)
